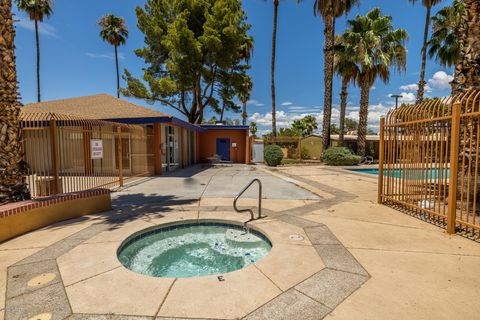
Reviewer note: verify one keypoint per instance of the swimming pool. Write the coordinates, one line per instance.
(414, 173)
(191, 250)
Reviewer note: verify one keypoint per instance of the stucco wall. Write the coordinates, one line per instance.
(208, 144)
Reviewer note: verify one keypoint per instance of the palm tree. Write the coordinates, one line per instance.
(376, 46)
(330, 10)
(274, 48)
(12, 176)
(253, 128)
(467, 70)
(310, 124)
(346, 68)
(444, 43)
(428, 4)
(115, 32)
(37, 10)
(244, 96)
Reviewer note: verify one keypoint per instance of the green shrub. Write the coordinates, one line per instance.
(340, 156)
(273, 155)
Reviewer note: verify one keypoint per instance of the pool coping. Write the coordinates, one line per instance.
(190, 223)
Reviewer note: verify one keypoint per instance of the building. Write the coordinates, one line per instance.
(350, 141)
(164, 142)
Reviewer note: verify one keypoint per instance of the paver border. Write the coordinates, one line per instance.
(321, 291)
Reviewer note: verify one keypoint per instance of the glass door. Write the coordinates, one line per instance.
(172, 148)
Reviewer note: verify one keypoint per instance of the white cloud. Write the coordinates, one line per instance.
(299, 109)
(285, 119)
(43, 28)
(407, 97)
(287, 103)
(110, 56)
(414, 87)
(255, 103)
(441, 80)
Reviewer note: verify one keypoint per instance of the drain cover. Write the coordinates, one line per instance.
(41, 279)
(296, 237)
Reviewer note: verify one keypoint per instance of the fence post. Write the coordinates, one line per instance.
(182, 150)
(54, 153)
(381, 159)
(452, 187)
(120, 156)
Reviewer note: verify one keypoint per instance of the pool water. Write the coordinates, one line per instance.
(432, 173)
(192, 250)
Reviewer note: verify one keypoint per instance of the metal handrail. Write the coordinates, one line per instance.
(252, 217)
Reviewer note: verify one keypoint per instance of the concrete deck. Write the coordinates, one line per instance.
(358, 260)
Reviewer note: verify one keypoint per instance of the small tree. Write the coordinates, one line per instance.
(188, 45)
(350, 125)
(306, 125)
(253, 128)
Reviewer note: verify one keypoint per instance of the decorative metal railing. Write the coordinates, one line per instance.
(66, 154)
(429, 161)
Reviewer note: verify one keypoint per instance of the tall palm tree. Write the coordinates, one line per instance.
(12, 175)
(444, 42)
(244, 96)
(329, 10)
(274, 48)
(428, 4)
(347, 69)
(467, 70)
(115, 32)
(37, 10)
(376, 47)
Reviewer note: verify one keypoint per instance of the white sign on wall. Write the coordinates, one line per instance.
(96, 149)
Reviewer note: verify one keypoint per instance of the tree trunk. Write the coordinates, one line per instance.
(422, 82)
(343, 108)
(223, 111)
(274, 45)
(363, 120)
(244, 114)
(13, 186)
(467, 76)
(199, 102)
(328, 76)
(118, 71)
(467, 71)
(37, 43)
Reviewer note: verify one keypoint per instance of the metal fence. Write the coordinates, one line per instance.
(66, 154)
(429, 162)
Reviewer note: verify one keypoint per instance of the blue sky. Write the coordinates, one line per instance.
(75, 61)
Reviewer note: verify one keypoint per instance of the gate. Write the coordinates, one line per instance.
(429, 163)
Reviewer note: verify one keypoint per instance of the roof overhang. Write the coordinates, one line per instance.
(224, 127)
(151, 120)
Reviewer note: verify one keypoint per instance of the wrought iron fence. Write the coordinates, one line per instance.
(66, 154)
(429, 161)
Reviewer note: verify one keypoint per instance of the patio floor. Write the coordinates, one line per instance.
(357, 260)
